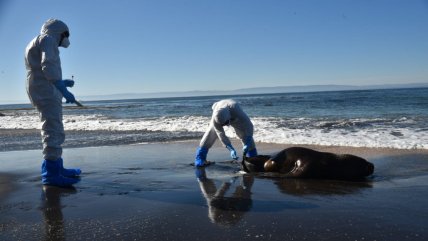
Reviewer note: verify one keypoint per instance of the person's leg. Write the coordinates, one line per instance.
(209, 138)
(52, 130)
(206, 143)
(52, 137)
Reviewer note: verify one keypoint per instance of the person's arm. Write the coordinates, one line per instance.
(51, 67)
(61, 86)
(221, 134)
(225, 140)
(50, 61)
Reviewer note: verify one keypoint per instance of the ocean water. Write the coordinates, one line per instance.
(392, 118)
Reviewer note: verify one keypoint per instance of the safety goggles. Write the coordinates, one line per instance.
(66, 34)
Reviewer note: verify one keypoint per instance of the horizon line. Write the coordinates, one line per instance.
(250, 91)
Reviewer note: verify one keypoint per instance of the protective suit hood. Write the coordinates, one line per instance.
(222, 116)
(221, 113)
(54, 28)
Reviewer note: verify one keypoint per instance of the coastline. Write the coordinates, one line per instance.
(29, 139)
(151, 191)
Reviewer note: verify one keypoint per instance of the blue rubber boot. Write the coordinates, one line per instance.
(69, 172)
(51, 175)
(201, 156)
(252, 152)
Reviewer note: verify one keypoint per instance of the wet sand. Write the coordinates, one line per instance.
(149, 191)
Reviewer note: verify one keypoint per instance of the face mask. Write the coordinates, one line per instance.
(65, 42)
(227, 123)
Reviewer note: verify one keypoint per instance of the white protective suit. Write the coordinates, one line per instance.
(43, 69)
(223, 111)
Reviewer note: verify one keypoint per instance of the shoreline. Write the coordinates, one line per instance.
(151, 191)
(29, 139)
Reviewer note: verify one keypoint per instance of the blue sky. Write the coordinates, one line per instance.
(184, 45)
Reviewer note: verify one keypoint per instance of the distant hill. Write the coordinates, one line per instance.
(259, 90)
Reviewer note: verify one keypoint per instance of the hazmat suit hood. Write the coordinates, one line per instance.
(222, 116)
(54, 28)
(221, 113)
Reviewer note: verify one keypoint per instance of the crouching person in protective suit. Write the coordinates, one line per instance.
(227, 113)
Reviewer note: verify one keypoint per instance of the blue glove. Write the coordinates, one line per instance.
(232, 152)
(68, 83)
(69, 97)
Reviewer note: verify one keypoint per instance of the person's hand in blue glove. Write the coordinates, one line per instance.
(232, 152)
(69, 97)
(68, 83)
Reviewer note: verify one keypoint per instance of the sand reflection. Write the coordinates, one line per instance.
(224, 208)
(52, 211)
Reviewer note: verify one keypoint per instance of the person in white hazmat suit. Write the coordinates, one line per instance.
(227, 112)
(46, 88)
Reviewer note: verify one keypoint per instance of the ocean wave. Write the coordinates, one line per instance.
(398, 133)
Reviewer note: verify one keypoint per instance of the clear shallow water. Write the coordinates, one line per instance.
(394, 118)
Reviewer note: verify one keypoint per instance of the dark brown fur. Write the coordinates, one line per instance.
(307, 163)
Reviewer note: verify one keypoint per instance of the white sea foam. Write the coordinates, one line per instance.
(361, 138)
(268, 130)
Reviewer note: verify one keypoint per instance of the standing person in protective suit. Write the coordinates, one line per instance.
(227, 112)
(46, 88)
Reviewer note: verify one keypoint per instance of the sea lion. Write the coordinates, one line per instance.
(307, 163)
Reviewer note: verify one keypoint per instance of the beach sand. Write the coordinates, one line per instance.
(150, 192)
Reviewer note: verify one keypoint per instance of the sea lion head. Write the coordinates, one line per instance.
(271, 166)
(255, 164)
